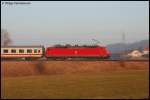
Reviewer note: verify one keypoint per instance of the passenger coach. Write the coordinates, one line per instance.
(26, 52)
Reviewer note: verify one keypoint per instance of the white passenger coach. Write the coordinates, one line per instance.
(22, 51)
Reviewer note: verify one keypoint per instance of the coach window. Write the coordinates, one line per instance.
(39, 51)
(29, 50)
(21, 51)
(5, 51)
(35, 50)
(13, 51)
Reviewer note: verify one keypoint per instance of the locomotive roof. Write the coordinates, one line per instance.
(78, 46)
(34, 46)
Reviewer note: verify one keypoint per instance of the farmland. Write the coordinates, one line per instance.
(83, 82)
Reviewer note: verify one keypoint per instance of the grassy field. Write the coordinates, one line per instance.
(127, 84)
(27, 68)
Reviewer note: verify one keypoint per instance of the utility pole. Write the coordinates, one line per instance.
(123, 38)
(124, 43)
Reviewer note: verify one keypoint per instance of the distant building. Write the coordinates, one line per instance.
(135, 53)
(146, 51)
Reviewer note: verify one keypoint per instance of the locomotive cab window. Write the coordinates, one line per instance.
(13, 51)
(21, 51)
(29, 50)
(5, 51)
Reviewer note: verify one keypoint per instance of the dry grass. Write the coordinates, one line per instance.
(24, 68)
(127, 84)
(42, 79)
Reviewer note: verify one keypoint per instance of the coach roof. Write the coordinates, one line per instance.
(34, 46)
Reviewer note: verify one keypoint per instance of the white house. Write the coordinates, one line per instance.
(146, 51)
(135, 53)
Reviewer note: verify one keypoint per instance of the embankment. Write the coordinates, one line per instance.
(24, 68)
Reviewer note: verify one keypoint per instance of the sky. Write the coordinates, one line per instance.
(75, 22)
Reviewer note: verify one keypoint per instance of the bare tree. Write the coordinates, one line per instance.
(5, 38)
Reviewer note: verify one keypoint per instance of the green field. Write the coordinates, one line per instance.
(123, 84)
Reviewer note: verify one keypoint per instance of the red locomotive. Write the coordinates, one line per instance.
(77, 52)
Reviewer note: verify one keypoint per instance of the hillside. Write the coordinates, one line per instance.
(120, 47)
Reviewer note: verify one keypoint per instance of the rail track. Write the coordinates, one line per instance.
(108, 60)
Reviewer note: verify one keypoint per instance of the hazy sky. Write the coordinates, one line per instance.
(75, 22)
